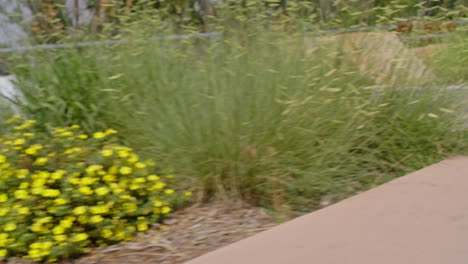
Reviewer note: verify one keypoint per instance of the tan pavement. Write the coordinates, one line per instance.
(421, 218)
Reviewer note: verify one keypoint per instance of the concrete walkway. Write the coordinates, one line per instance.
(421, 218)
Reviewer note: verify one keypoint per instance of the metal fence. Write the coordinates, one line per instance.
(217, 35)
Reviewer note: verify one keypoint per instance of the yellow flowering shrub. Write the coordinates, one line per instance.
(64, 193)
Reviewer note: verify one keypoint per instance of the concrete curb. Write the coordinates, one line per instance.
(418, 218)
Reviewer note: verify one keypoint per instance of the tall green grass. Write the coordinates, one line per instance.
(255, 115)
(450, 59)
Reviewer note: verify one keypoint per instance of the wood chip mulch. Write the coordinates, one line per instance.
(190, 232)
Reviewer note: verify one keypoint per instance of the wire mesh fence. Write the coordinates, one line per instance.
(218, 35)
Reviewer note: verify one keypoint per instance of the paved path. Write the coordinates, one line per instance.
(421, 218)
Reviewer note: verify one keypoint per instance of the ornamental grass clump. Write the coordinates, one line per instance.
(63, 193)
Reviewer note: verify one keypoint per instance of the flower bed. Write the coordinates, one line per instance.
(63, 193)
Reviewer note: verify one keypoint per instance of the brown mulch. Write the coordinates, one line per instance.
(190, 232)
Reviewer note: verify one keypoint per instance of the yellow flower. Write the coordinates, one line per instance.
(43, 174)
(66, 223)
(169, 191)
(38, 183)
(46, 219)
(79, 210)
(88, 180)
(58, 230)
(188, 193)
(59, 129)
(113, 170)
(99, 135)
(117, 190)
(140, 180)
(106, 233)
(37, 190)
(75, 127)
(19, 141)
(46, 245)
(70, 218)
(57, 175)
(22, 173)
(60, 201)
(131, 207)
(99, 209)
(82, 136)
(91, 170)
(66, 134)
(134, 186)
(40, 161)
(13, 119)
(3, 198)
(166, 210)
(120, 235)
(109, 178)
(32, 150)
(75, 181)
(80, 237)
(110, 131)
(107, 152)
(96, 219)
(35, 254)
(23, 211)
(123, 153)
(125, 170)
(142, 226)
(2, 159)
(133, 158)
(153, 178)
(36, 245)
(159, 185)
(21, 194)
(102, 191)
(3, 253)
(85, 190)
(28, 135)
(9, 227)
(25, 125)
(140, 165)
(125, 197)
(51, 193)
(60, 238)
(71, 150)
(123, 148)
(158, 203)
(3, 239)
(4, 211)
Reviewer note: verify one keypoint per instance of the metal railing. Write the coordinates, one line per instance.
(107, 42)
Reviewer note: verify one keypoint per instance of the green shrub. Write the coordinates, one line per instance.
(63, 193)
